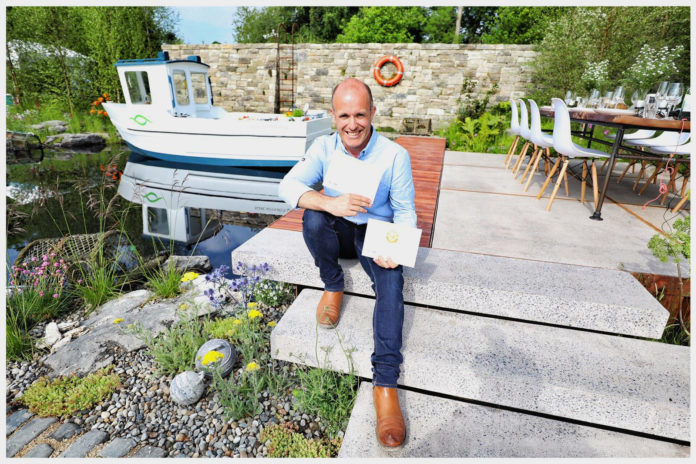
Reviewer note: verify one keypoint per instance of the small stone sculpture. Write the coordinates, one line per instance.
(187, 387)
(213, 360)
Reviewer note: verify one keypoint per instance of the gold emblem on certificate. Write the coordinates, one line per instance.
(392, 236)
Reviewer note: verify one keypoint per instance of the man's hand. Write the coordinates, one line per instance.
(348, 204)
(387, 262)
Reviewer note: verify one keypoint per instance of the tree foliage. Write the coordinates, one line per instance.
(519, 25)
(578, 36)
(67, 53)
(388, 24)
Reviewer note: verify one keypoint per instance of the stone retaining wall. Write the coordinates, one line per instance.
(243, 75)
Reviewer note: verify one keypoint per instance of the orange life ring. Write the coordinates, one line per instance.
(396, 78)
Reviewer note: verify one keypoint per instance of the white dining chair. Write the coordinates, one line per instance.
(514, 130)
(525, 134)
(668, 139)
(542, 143)
(685, 149)
(566, 148)
(639, 134)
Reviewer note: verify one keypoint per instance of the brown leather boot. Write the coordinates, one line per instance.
(391, 429)
(329, 309)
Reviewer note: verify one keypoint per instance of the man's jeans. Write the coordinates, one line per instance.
(329, 237)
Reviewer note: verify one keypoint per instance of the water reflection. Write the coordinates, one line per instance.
(185, 208)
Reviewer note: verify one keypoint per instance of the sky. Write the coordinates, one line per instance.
(199, 25)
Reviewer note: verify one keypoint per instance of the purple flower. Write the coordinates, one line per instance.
(475, 135)
(589, 126)
(55, 295)
(606, 131)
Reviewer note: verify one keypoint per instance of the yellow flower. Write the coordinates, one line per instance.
(252, 366)
(183, 306)
(230, 332)
(253, 305)
(253, 314)
(212, 356)
(237, 322)
(190, 276)
(272, 324)
(118, 320)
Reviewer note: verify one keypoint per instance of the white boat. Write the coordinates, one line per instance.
(174, 197)
(169, 114)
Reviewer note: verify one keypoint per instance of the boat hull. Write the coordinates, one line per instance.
(224, 141)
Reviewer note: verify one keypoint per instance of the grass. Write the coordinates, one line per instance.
(175, 348)
(286, 443)
(66, 395)
(99, 284)
(164, 282)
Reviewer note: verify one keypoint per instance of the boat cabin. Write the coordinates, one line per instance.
(181, 87)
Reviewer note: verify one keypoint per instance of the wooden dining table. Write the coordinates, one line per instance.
(591, 118)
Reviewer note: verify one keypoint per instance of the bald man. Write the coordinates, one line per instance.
(334, 227)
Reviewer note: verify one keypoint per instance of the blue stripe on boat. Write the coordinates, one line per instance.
(210, 161)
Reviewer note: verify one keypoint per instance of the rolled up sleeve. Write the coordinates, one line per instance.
(307, 172)
(402, 193)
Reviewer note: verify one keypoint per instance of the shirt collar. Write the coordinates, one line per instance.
(368, 148)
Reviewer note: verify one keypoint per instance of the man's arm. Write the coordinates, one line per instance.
(347, 204)
(402, 192)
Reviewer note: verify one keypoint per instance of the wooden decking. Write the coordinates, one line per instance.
(427, 155)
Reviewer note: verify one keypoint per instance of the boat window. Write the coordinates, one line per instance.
(200, 94)
(181, 88)
(138, 87)
(157, 221)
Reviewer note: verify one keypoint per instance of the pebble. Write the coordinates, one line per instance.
(142, 410)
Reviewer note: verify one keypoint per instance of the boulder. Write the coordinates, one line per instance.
(76, 140)
(188, 263)
(51, 336)
(52, 126)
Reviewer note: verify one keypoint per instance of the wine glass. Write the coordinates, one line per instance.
(606, 101)
(662, 88)
(593, 101)
(619, 97)
(674, 94)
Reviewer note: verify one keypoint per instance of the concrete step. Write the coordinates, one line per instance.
(444, 428)
(562, 294)
(619, 382)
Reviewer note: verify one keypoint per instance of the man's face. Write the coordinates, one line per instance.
(353, 116)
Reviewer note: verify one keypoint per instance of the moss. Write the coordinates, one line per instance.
(66, 395)
(285, 443)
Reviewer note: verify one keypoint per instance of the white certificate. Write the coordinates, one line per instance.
(350, 175)
(397, 241)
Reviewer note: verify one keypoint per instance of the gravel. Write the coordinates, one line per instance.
(141, 408)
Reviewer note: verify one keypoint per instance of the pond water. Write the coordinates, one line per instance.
(76, 193)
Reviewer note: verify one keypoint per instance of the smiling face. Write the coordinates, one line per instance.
(352, 114)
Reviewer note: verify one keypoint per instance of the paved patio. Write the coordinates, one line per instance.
(482, 209)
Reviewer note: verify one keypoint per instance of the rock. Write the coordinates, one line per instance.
(188, 263)
(53, 126)
(43, 450)
(62, 342)
(51, 336)
(77, 140)
(187, 387)
(76, 332)
(223, 346)
(67, 325)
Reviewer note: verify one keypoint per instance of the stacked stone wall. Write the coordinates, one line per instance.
(244, 75)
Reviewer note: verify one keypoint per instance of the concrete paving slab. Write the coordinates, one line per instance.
(520, 227)
(65, 431)
(620, 382)
(444, 428)
(26, 434)
(16, 419)
(567, 295)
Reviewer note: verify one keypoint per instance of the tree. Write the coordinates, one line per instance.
(519, 25)
(385, 25)
(316, 24)
(579, 36)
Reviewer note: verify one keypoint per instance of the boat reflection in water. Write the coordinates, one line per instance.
(178, 199)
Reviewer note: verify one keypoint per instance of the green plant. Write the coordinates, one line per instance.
(285, 443)
(165, 283)
(98, 284)
(677, 245)
(273, 293)
(297, 113)
(239, 394)
(477, 135)
(596, 75)
(65, 395)
(469, 105)
(652, 65)
(175, 348)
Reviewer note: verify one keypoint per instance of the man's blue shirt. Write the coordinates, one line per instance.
(394, 200)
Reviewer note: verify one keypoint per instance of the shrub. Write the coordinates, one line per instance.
(285, 443)
(273, 294)
(66, 395)
(165, 282)
(175, 348)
